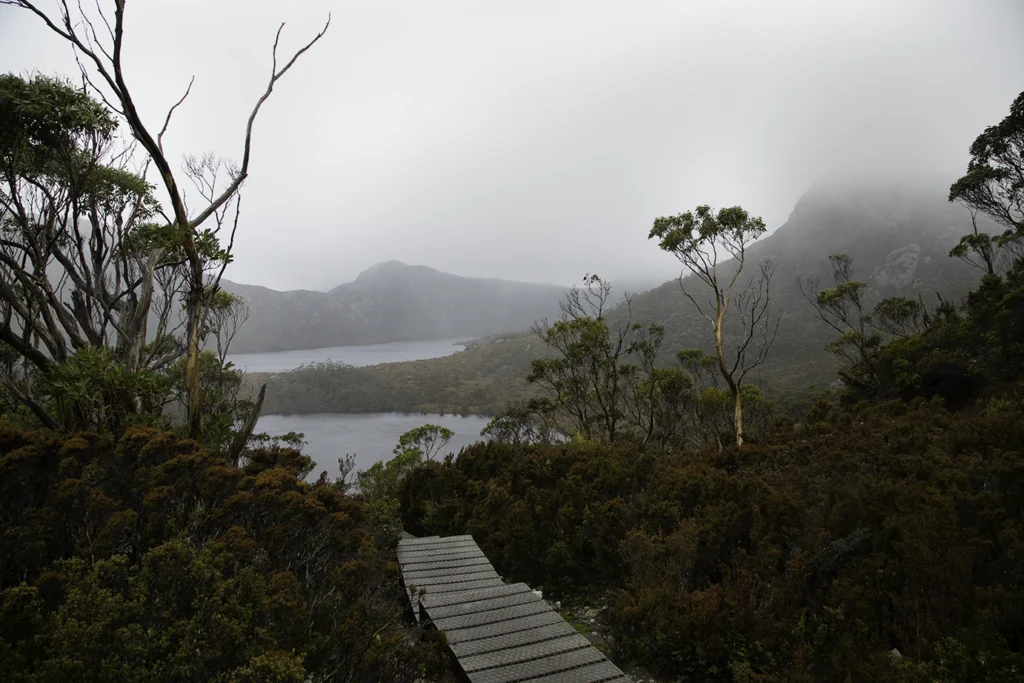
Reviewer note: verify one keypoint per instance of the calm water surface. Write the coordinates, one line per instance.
(370, 436)
(370, 354)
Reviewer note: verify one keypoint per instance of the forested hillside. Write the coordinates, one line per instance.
(386, 303)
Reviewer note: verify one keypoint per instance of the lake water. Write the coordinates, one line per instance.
(370, 436)
(370, 354)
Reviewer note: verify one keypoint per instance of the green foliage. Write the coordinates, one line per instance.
(994, 182)
(518, 425)
(693, 231)
(381, 482)
(960, 354)
(153, 559)
(425, 441)
(42, 115)
(94, 391)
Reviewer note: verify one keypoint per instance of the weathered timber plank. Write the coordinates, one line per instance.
(445, 588)
(598, 672)
(412, 577)
(439, 553)
(504, 627)
(517, 639)
(437, 601)
(429, 540)
(413, 562)
(451, 564)
(482, 618)
(488, 605)
(563, 661)
(450, 578)
(525, 653)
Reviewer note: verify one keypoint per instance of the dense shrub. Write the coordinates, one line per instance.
(809, 556)
(151, 559)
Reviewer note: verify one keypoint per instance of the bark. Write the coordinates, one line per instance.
(242, 437)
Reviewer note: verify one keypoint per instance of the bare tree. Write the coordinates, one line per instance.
(696, 238)
(105, 75)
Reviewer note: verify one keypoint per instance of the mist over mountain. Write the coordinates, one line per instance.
(389, 302)
(898, 232)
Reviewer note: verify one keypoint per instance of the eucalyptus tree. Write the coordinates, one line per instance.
(701, 237)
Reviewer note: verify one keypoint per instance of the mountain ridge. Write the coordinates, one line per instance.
(388, 302)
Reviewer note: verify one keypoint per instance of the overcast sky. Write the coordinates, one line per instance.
(538, 140)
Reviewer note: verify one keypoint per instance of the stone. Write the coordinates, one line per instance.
(899, 268)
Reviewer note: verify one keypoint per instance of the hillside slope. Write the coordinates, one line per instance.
(898, 236)
(389, 302)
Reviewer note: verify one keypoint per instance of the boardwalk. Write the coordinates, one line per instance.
(500, 633)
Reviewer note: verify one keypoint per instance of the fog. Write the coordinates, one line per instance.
(537, 141)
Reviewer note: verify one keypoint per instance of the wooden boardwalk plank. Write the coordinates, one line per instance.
(524, 653)
(432, 601)
(425, 581)
(450, 564)
(503, 628)
(432, 540)
(437, 551)
(444, 588)
(555, 663)
(497, 602)
(482, 618)
(498, 632)
(427, 558)
(598, 672)
(505, 641)
(413, 576)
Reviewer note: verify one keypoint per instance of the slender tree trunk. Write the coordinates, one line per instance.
(739, 416)
(733, 387)
(242, 438)
(192, 393)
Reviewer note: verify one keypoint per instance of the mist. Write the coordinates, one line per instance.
(538, 141)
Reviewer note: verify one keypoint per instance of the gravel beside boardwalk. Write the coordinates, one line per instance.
(500, 633)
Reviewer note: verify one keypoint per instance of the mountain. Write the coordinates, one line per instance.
(898, 234)
(389, 302)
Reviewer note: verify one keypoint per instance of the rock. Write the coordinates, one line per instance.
(899, 268)
(558, 604)
(538, 593)
(895, 657)
(590, 613)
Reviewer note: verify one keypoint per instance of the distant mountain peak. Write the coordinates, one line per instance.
(392, 268)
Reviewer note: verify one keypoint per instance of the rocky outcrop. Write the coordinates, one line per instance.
(899, 268)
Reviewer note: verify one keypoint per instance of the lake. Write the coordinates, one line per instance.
(369, 354)
(368, 436)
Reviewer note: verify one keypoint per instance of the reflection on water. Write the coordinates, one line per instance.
(368, 436)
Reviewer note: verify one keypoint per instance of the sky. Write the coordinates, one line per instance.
(539, 140)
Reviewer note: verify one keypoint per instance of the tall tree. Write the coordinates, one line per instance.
(105, 75)
(698, 239)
